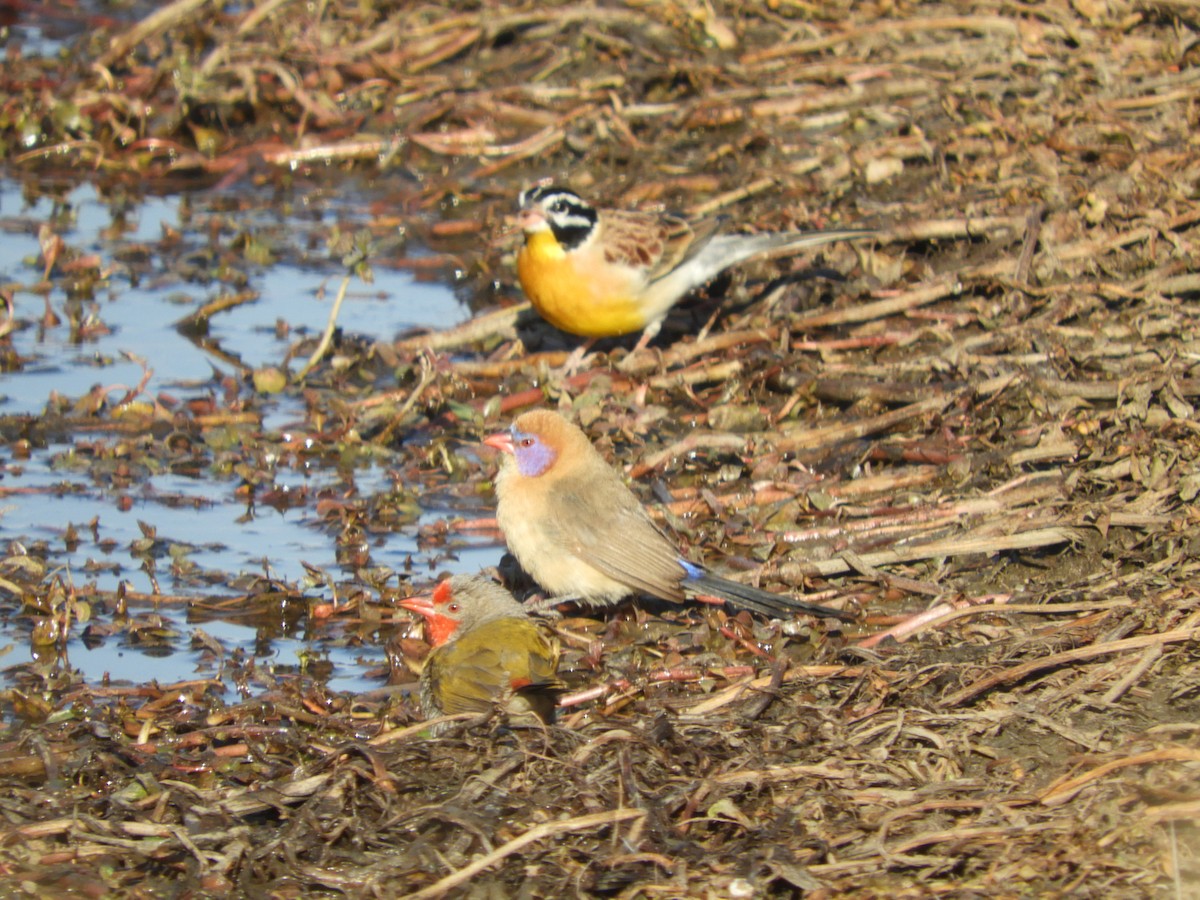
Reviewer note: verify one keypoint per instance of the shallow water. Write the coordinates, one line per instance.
(139, 312)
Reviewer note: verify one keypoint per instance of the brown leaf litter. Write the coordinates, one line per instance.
(979, 431)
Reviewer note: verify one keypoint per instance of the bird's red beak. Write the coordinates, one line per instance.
(438, 627)
(422, 605)
(501, 440)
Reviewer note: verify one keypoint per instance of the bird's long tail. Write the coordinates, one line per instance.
(728, 250)
(743, 596)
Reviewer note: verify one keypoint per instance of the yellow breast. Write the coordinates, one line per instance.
(575, 294)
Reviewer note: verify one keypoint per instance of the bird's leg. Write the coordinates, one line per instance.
(649, 334)
(578, 358)
(548, 606)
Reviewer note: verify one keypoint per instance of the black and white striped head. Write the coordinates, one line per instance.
(568, 216)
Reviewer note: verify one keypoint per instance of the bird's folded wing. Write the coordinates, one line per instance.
(485, 668)
(473, 683)
(656, 244)
(540, 688)
(685, 241)
(542, 661)
(616, 537)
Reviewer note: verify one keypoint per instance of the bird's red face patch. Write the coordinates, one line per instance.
(440, 629)
(445, 619)
(441, 612)
(442, 594)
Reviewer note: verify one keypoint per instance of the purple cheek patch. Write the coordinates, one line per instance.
(533, 460)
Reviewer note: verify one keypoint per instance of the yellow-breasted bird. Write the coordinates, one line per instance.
(603, 272)
(487, 653)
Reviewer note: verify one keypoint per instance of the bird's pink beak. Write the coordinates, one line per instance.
(501, 440)
(531, 220)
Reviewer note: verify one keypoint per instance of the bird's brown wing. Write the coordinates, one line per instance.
(698, 234)
(656, 243)
(605, 526)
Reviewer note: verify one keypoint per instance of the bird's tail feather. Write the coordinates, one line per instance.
(730, 249)
(746, 597)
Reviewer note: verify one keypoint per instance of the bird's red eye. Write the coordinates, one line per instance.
(525, 442)
(453, 607)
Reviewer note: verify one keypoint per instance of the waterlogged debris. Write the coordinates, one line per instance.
(270, 380)
(975, 431)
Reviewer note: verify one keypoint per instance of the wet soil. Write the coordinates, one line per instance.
(977, 431)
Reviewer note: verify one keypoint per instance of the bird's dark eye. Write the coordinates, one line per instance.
(560, 206)
(525, 442)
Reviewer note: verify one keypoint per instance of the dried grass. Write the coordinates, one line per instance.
(982, 435)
